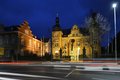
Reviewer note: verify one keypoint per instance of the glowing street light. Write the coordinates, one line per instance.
(114, 5)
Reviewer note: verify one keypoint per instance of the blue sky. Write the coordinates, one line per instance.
(41, 13)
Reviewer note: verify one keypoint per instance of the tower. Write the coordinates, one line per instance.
(56, 39)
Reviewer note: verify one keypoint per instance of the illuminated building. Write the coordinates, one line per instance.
(47, 46)
(75, 43)
(19, 40)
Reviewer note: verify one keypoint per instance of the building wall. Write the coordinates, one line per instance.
(20, 41)
(56, 44)
(73, 45)
(29, 42)
(47, 47)
(9, 43)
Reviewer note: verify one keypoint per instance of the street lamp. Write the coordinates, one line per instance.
(114, 5)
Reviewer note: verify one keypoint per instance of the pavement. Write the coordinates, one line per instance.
(59, 71)
(77, 65)
(115, 67)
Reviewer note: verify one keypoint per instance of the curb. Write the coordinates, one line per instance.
(81, 67)
(102, 68)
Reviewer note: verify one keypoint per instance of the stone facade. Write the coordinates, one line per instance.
(75, 43)
(19, 39)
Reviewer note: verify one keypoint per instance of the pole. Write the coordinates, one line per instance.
(115, 34)
(51, 48)
(108, 43)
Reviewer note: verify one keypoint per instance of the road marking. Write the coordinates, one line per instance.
(111, 69)
(98, 79)
(89, 68)
(27, 75)
(4, 78)
(62, 68)
(69, 73)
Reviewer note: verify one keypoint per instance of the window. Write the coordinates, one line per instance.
(78, 43)
(56, 44)
(94, 42)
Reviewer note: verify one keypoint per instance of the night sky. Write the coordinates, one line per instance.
(41, 13)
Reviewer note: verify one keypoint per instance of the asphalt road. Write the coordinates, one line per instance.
(17, 72)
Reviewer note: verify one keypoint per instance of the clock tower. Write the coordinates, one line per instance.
(56, 39)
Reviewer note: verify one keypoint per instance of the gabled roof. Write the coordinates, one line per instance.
(83, 31)
(66, 32)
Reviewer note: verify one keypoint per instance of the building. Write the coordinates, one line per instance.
(47, 45)
(75, 43)
(19, 40)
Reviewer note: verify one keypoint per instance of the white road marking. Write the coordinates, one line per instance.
(27, 75)
(62, 68)
(69, 73)
(93, 68)
(4, 78)
(89, 67)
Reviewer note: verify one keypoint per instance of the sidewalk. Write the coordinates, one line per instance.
(115, 67)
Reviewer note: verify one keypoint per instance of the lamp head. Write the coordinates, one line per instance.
(114, 5)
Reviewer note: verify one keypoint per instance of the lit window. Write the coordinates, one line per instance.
(56, 45)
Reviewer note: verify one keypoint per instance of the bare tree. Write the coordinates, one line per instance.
(98, 26)
(102, 22)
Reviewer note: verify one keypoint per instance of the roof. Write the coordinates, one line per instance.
(66, 32)
(83, 31)
(56, 28)
(11, 28)
(46, 39)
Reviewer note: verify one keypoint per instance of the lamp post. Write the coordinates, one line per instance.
(114, 5)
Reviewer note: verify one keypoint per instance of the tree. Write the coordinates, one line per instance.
(97, 26)
(102, 22)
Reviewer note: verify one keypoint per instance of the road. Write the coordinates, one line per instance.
(21, 72)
